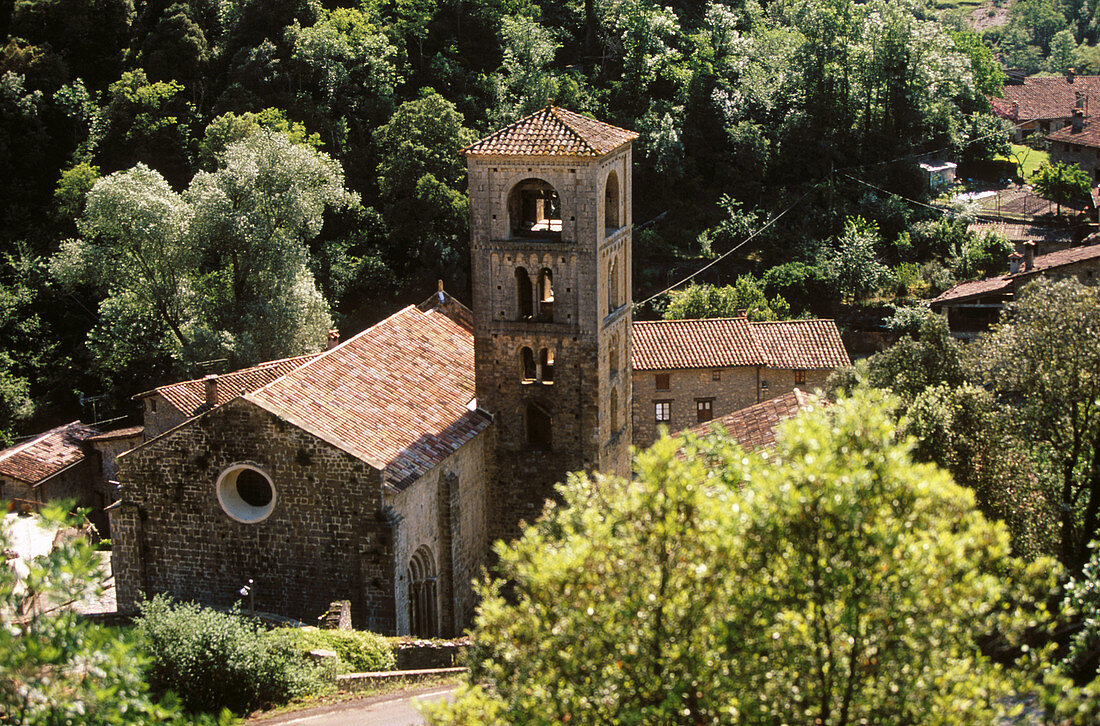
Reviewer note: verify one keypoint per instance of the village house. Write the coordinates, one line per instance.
(1046, 239)
(73, 462)
(1078, 143)
(381, 471)
(754, 427)
(687, 372)
(1045, 104)
(972, 306)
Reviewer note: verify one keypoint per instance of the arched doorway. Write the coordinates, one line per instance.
(423, 607)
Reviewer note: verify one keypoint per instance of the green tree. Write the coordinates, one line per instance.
(744, 297)
(420, 177)
(988, 76)
(58, 667)
(852, 265)
(1063, 52)
(231, 127)
(1042, 360)
(1061, 183)
(833, 581)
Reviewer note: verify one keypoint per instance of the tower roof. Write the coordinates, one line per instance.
(553, 131)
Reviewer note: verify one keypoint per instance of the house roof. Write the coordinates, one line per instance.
(130, 432)
(47, 454)
(802, 344)
(398, 395)
(1048, 97)
(696, 343)
(754, 427)
(1020, 232)
(726, 342)
(553, 131)
(1089, 135)
(1042, 263)
(190, 396)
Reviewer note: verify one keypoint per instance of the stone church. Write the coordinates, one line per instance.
(382, 470)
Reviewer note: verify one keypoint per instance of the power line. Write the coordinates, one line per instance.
(736, 247)
(943, 210)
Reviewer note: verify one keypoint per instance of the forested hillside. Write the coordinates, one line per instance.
(209, 180)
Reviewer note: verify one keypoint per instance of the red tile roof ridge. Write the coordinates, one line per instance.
(123, 433)
(34, 469)
(1049, 261)
(571, 135)
(753, 427)
(258, 366)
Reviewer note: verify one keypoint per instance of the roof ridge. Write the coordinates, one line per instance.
(579, 136)
(793, 320)
(12, 451)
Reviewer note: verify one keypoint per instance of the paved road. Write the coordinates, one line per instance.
(396, 710)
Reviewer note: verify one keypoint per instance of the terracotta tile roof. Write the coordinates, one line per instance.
(1048, 98)
(1049, 261)
(130, 432)
(1014, 232)
(47, 454)
(1004, 108)
(724, 342)
(754, 427)
(704, 343)
(802, 344)
(1088, 136)
(190, 396)
(974, 288)
(397, 395)
(553, 131)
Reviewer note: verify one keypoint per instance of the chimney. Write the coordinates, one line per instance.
(333, 338)
(211, 384)
(1078, 120)
(1014, 263)
(1029, 256)
(1070, 73)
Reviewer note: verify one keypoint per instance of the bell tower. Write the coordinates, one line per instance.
(550, 246)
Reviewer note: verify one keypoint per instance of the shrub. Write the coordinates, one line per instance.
(359, 651)
(215, 659)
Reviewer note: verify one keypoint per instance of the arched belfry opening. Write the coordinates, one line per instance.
(524, 295)
(423, 595)
(613, 286)
(528, 357)
(546, 295)
(534, 210)
(612, 204)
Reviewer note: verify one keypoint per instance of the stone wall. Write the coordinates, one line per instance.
(446, 510)
(158, 415)
(736, 388)
(1087, 157)
(782, 380)
(326, 539)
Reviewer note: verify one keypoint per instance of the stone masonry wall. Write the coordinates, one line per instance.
(327, 538)
(453, 496)
(736, 389)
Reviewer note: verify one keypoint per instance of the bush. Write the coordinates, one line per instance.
(215, 659)
(359, 651)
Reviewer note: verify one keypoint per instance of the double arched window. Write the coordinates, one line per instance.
(423, 608)
(540, 370)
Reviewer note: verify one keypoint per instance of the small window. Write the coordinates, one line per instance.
(799, 377)
(704, 409)
(152, 405)
(662, 381)
(528, 357)
(716, 374)
(524, 295)
(662, 411)
(546, 365)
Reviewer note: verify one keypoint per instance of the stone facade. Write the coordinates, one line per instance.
(159, 415)
(327, 539)
(584, 326)
(698, 394)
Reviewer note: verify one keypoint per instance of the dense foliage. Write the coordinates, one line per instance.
(358, 651)
(57, 667)
(216, 660)
(142, 107)
(831, 580)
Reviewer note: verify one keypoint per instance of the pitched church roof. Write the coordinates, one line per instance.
(553, 131)
(47, 454)
(754, 427)
(726, 342)
(190, 396)
(398, 395)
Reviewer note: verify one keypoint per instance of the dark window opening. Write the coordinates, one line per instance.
(254, 488)
(799, 377)
(611, 203)
(422, 594)
(539, 427)
(546, 295)
(524, 294)
(716, 375)
(613, 302)
(534, 210)
(546, 365)
(528, 357)
(662, 381)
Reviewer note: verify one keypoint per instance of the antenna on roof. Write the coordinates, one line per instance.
(92, 400)
(205, 364)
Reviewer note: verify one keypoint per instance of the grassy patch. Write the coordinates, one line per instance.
(959, 4)
(385, 688)
(1028, 158)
